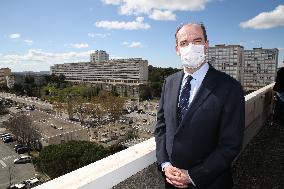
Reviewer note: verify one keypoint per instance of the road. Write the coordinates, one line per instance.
(27, 100)
(17, 172)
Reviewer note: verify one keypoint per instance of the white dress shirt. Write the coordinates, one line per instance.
(195, 83)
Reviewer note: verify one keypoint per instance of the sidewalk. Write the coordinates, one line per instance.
(261, 164)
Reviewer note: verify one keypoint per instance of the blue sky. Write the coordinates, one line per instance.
(36, 34)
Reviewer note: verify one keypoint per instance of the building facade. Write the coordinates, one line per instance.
(228, 59)
(10, 81)
(260, 67)
(254, 68)
(99, 56)
(127, 71)
(120, 75)
(6, 77)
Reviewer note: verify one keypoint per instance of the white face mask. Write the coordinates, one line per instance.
(192, 56)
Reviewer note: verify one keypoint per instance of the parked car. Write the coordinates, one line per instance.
(30, 108)
(18, 107)
(17, 146)
(23, 159)
(8, 139)
(5, 135)
(17, 186)
(22, 150)
(32, 182)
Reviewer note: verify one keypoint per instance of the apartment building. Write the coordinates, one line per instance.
(260, 67)
(99, 56)
(120, 75)
(5, 76)
(228, 59)
(128, 71)
(254, 68)
(10, 81)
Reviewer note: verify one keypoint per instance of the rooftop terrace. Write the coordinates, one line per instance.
(260, 165)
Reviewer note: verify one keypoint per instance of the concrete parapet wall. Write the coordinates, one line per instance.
(259, 105)
(109, 171)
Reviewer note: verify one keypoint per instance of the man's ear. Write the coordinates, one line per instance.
(177, 50)
(206, 49)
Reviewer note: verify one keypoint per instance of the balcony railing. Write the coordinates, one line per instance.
(110, 171)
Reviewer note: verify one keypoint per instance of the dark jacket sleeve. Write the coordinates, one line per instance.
(160, 132)
(232, 123)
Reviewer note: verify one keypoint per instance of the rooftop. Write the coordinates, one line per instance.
(258, 166)
(261, 164)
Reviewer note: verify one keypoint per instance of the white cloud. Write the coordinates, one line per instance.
(148, 7)
(133, 44)
(77, 45)
(242, 43)
(99, 35)
(39, 60)
(125, 43)
(281, 48)
(29, 41)
(134, 25)
(266, 20)
(91, 35)
(162, 15)
(111, 2)
(102, 35)
(14, 35)
(255, 42)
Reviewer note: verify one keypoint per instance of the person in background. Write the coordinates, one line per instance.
(279, 88)
(200, 119)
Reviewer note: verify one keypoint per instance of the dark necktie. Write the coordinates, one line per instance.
(184, 98)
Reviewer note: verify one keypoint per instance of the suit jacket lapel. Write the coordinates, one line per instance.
(175, 90)
(207, 86)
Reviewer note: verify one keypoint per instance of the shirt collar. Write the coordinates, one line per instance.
(198, 74)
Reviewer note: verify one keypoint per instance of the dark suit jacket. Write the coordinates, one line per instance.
(210, 135)
(279, 85)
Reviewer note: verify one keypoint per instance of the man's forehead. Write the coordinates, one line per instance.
(190, 30)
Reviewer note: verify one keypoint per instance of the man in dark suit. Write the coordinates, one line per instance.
(200, 120)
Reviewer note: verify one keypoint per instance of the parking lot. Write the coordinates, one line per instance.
(27, 100)
(144, 122)
(9, 171)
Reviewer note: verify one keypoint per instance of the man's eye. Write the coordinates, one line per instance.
(183, 44)
(197, 42)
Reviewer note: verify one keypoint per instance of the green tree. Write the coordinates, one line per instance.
(24, 130)
(4, 87)
(18, 89)
(156, 79)
(3, 109)
(145, 92)
(81, 108)
(111, 104)
(56, 160)
(57, 81)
